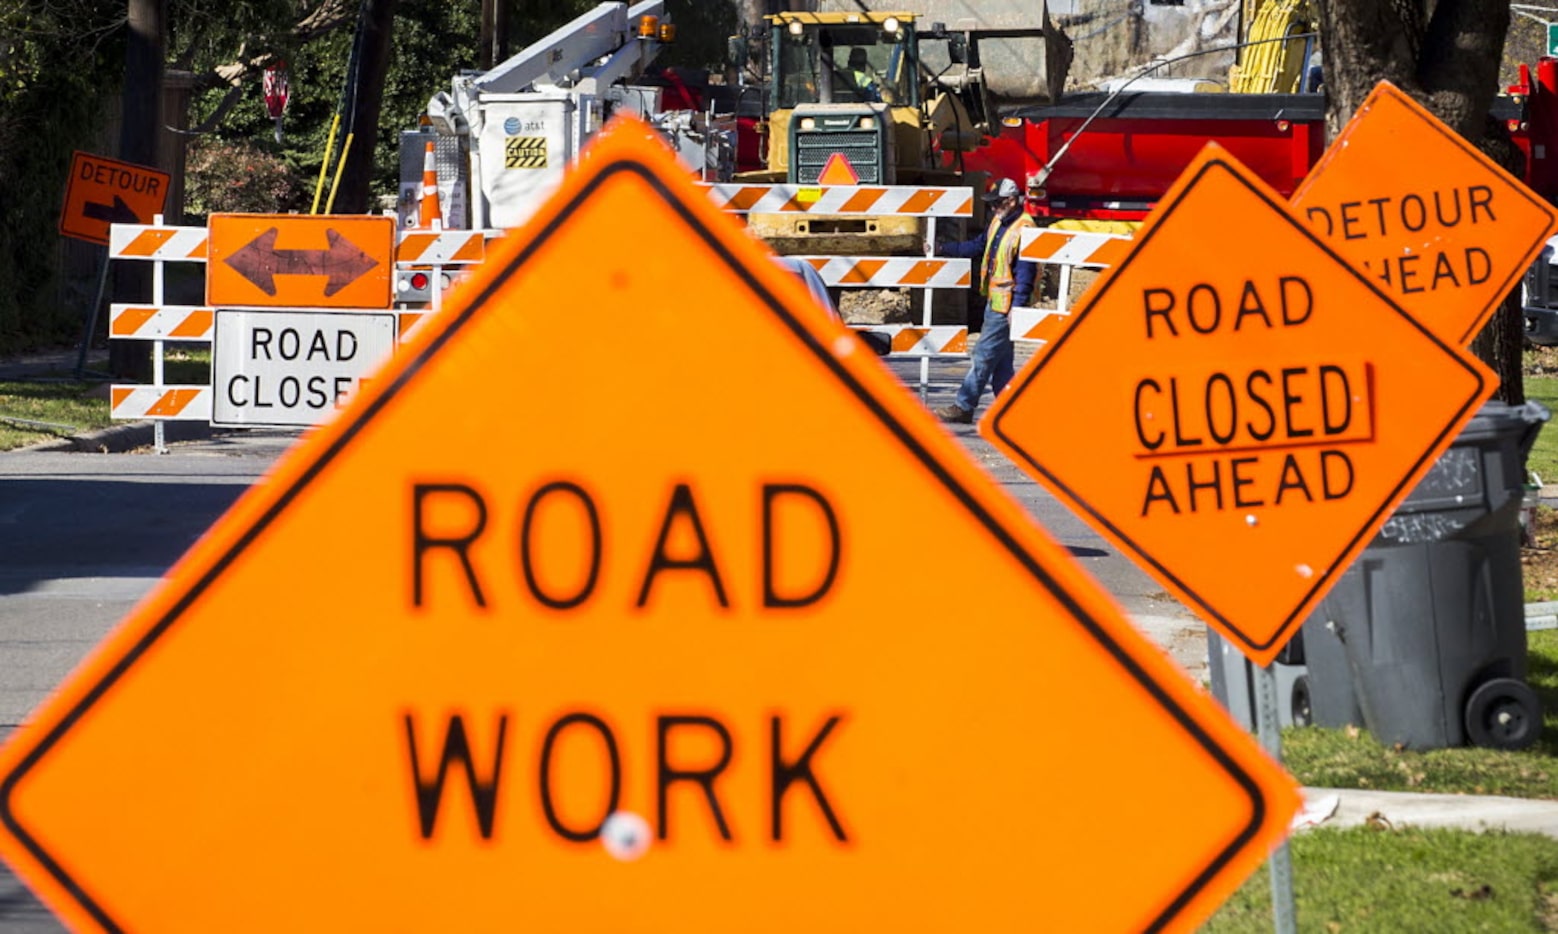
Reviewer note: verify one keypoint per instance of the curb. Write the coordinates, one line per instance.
(118, 439)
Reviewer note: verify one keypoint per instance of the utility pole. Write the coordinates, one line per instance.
(141, 124)
(363, 122)
(486, 45)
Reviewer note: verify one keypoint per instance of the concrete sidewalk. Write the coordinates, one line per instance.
(1351, 807)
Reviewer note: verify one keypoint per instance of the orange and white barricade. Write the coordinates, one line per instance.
(1066, 250)
(427, 263)
(902, 200)
(159, 244)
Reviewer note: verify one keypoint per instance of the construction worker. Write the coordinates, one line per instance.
(1006, 283)
(862, 75)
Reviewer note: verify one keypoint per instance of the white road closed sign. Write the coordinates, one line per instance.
(292, 367)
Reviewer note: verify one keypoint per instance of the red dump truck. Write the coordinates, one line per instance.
(1103, 157)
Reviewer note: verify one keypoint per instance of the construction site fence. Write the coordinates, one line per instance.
(442, 254)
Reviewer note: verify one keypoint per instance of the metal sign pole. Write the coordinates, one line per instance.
(1283, 908)
(97, 302)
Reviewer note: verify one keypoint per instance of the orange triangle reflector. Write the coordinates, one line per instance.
(838, 171)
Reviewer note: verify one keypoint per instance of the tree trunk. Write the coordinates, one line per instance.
(142, 123)
(355, 190)
(1449, 62)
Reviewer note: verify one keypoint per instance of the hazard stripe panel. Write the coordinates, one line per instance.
(166, 322)
(920, 341)
(174, 403)
(843, 199)
(409, 320)
(892, 271)
(441, 248)
(1037, 324)
(1073, 247)
(140, 241)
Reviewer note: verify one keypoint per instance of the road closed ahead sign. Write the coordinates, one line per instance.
(1437, 225)
(1239, 419)
(649, 652)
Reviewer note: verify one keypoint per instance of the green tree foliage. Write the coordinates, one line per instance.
(61, 67)
(432, 41)
(56, 57)
(701, 30)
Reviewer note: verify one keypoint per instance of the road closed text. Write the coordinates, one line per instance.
(1218, 435)
(293, 368)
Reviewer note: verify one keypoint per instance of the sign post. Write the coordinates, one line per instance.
(460, 664)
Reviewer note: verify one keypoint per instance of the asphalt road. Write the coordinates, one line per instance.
(84, 536)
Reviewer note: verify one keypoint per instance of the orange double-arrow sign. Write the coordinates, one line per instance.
(293, 261)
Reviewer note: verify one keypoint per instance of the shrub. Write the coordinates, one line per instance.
(237, 176)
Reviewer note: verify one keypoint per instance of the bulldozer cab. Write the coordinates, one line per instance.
(843, 58)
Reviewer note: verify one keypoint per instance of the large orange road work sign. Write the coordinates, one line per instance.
(642, 657)
(1240, 420)
(103, 191)
(1434, 223)
(300, 261)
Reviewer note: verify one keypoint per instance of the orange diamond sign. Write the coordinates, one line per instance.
(1434, 223)
(645, 653)
(1241, 419)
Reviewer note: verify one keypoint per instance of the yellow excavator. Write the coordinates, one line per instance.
(884, 98)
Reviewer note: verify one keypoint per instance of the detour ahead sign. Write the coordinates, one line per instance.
(1240, 420)
(1434, 223)
(643, 657)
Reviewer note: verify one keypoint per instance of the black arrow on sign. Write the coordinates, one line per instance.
(116, 213)
(260, 262)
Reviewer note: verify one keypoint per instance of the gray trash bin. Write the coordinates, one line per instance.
(1233, 683)
(1327, 673)
(1431, 617)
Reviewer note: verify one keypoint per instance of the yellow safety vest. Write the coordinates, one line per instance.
(999, 285)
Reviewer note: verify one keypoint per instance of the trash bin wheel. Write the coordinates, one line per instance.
(1302, 714)
(1503, 713)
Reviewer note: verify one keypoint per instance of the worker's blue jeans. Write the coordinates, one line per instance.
(992, 364)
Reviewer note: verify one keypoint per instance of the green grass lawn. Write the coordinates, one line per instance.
(1384, 878)
(1544, 454)
(1352, 758)
(1415, 881)
(54, 405)
(31, 412)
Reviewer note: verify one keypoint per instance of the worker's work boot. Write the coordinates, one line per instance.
(955, 413)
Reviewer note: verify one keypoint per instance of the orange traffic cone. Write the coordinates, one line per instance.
(429, 215)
